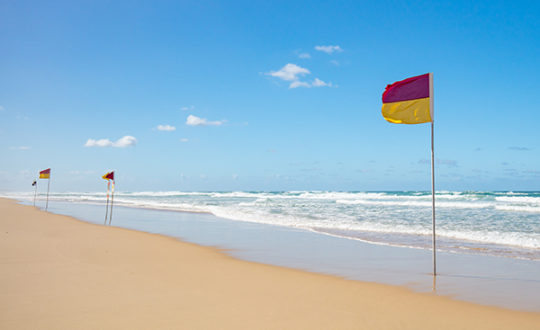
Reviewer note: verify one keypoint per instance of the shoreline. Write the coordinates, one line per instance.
(472, 233)
(60, 273)
(486, 280)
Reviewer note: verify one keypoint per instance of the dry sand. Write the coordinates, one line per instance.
(60, 273)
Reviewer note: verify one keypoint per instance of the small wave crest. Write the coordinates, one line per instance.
(498, 218)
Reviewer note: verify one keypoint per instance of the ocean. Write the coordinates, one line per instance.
(503, 224)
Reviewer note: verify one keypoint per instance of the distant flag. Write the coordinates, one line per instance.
(109, 176)
(45, 174)
(410, 101)
(34, 184)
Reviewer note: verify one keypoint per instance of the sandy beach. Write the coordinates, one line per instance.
(59, 273)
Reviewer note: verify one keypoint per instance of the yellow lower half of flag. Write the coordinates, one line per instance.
(407, 112)
(44, 176)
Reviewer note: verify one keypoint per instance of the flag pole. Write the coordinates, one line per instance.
(48, 187)
(35, 191)
(112, 201)
(432, 173)
(107, 207)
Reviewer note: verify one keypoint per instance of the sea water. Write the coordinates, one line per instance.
(489, 223)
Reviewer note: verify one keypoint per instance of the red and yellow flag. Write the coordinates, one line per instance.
(45, 174)
(109, 176)
(409, 101)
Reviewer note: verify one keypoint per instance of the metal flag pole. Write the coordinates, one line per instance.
(112, 202)
(107, 207)
(432, 173)
(48, 187)
(35, 191)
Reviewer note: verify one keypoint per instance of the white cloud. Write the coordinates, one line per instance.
(329, 49)
(2, 108)
(123, 142)
(98, 143)
(319, 83)
(304, 55)
(336, 63)
(298, 83)
(197, 121)
(167, 128)
(184, 140)
(189, 108)
(20, 148)
(292, 72)
(316, 83)
(289, 72)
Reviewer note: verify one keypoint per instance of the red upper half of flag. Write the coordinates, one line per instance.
(409, 89)
(47, 171)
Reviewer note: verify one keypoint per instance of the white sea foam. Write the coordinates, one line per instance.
(518, 239)
(518, 208)
(397, 218)
(464, 205)
(519, 199)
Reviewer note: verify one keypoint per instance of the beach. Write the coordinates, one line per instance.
(58, 272)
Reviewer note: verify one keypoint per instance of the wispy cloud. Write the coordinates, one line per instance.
(188, 108)
(519, 148)
(184, 140)
(304, 55)
(298, 83)
(446, 162)
(319, 83)
(2, 108)
(167, 128)
(329, 49)
(197, 121)
(123, 142)
(316, 83)
(20, 148)
(289, 72)
(292, 72)
(334, 62)
(98, 143)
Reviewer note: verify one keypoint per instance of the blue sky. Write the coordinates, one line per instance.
(281, 95)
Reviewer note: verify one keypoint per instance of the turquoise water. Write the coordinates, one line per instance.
(493, 223)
